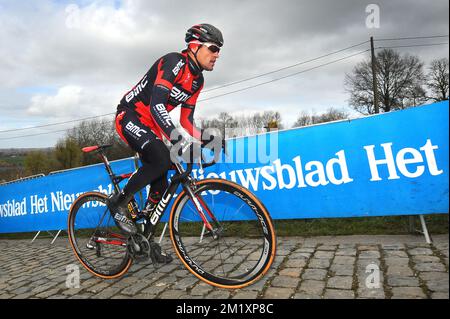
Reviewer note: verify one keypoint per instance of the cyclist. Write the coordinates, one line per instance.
(144, 123)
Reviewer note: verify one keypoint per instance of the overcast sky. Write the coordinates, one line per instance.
(63, 60)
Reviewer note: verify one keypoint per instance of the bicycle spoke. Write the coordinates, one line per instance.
(220, 253)
(96, 229)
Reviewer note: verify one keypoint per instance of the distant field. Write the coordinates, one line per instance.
(11, 166)
(16, 160)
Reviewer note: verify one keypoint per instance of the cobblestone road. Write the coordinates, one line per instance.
(318, 267)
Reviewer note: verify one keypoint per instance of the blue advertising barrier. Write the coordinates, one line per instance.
(389, 164)
(43, 203)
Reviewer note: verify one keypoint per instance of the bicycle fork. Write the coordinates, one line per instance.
(215, 228)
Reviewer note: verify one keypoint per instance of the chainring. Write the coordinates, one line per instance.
(138, 247)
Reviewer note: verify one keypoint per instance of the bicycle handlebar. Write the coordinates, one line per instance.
(190, 165)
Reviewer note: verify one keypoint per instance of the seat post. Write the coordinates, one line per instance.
(108, 169)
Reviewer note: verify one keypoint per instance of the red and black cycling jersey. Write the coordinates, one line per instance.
(173, 80)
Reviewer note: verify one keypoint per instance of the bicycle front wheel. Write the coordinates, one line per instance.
(95, 239)
(224, 235)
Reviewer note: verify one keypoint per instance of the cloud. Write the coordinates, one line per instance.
(70, 102)
(65, 103)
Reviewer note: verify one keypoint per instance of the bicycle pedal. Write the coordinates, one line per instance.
(157, 256)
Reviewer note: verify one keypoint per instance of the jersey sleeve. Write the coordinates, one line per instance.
(187, 116)
(187, 122)
(168, 70)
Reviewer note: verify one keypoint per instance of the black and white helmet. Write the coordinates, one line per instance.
(204, 33)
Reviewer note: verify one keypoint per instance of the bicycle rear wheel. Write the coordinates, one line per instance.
(240, 246)
(95, 239)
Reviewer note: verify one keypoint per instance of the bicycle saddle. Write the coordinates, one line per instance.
(89, 149)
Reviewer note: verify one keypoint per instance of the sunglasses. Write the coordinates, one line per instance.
(212, 47)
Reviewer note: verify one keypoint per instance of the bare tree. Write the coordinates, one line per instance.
(416, 96)
(226, 120)
(304, 119)
(214, 123)
(93, 132)
(438, 81)
(271, 119)
(99, 132)
(245, 124)
(332, 114)
(400, 80)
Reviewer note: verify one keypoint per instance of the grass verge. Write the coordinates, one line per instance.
(388, 225)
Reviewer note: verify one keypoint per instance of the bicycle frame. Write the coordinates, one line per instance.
(182, 177)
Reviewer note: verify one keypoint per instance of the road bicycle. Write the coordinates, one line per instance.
(220, 231)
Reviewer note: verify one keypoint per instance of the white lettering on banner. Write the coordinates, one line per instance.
(250, 179)
(288, 176)
(401, 161)
(335, 171)
(319, 172)
(61, 202)
(291, 173)
(107, 191)
(12, 208)
(299, 170)
(265, 174)
(38, 204)
(342, 164)
(389, 161)
(428, 149)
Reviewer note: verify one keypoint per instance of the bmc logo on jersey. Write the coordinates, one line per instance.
(137, 89)
(179, 95)
(195, 85)
(136, 130)
(163, 114)
(177, 67)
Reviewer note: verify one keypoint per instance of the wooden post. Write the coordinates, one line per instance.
(374, 78)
